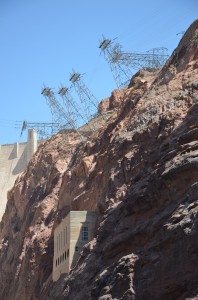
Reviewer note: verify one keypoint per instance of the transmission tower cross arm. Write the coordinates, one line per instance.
(75, 77)
(105, 44)
(24, 126)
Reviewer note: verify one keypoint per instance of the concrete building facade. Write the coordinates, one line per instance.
(75, 230)
(13, 161)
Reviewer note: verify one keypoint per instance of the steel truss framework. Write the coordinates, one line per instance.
(88, 100)
(44, 129)
(123, 63)
(65, 119)
(58, 113)
(72, 107)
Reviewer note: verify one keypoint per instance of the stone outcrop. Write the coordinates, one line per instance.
(139, 170)
(103, 105)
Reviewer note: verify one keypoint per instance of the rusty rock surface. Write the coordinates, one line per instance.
(26, 248)
(140, 171)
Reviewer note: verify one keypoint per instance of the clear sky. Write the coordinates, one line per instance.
(41, 41)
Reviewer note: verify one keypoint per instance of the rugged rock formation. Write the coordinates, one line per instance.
(26, 228)
(140, 170)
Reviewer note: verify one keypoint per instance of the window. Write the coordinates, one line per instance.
(76, 248)
(84, 233)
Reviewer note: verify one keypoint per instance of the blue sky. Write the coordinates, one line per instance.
(43, 40)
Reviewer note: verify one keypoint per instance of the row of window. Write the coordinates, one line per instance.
(61, 240)
(62, 258)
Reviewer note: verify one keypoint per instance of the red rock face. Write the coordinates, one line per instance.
(26, 229)
(116, 98)
(139, 170)
(103, 105)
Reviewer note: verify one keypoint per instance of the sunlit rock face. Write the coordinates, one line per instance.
(139, 171)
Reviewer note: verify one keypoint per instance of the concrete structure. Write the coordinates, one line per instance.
(32, 144)
(75, 230)
(13, 161)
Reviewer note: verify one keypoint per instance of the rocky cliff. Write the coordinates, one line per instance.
(139, 169)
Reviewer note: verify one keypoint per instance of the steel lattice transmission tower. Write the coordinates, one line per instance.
(60, 116)
(88, 100)
(44, 129)
(58, 113)
(123, 63)
(68, 103)
(72, 107)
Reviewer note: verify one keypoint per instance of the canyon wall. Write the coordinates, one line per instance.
(139, 170)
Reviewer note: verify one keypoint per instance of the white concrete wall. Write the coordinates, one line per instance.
(31, 144)
(68, 241)
(61, 248)
(78, 220)
(13, 161)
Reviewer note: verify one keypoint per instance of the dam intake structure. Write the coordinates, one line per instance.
(14, 159)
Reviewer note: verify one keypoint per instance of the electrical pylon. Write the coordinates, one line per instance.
(123, 64)
(44, 129)
(59, 115)
(88, 100)
(72, 107)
